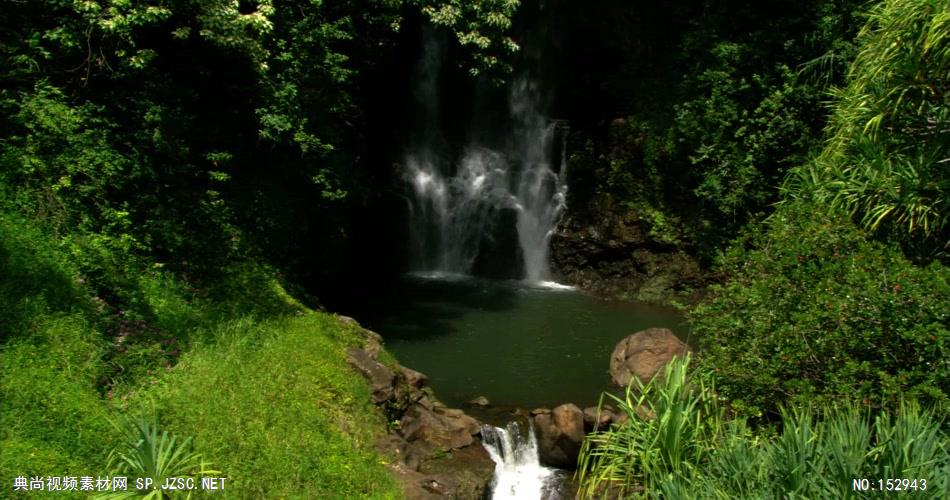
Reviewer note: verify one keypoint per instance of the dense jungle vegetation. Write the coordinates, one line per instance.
(183, 183)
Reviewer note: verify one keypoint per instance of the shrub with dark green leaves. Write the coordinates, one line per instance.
(813, 310)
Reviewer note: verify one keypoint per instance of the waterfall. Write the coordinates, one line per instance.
(518, 473)
(429, 203)
(460, 207)
(542, 190)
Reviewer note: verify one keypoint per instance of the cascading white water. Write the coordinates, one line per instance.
(429, 204)
(451, 214)
(541, 191)
(518, 472)
(455, 205)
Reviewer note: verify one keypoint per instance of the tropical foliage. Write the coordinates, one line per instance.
(887, 161)
(158, 457)
(670, 423)
(687, 448)
(829, 331)
(813, 313)
(157, 161)
(716, 112)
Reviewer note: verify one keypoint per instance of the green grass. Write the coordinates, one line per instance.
(273, 405)
(258, 383)
(52, 418)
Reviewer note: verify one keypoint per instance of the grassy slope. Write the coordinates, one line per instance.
(52, 419)
(274, 404)
(261, 382)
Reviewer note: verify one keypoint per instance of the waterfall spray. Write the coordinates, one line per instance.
(453, 205)
(518, 472)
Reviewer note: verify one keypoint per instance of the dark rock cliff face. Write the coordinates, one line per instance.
(499, 254)
(615, 256)
(628, 232)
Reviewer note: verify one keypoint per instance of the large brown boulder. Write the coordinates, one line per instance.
(597, 418)
(560, 434)
(441, 428)
(644, 354)
(465, 473)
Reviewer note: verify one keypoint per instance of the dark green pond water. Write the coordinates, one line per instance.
(514, 344)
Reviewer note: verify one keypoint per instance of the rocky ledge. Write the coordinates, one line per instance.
(434, 451)
(617, 257)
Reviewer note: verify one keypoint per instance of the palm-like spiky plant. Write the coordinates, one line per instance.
(158, 456)
(682, 420)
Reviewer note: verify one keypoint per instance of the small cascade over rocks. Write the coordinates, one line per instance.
(518, 472)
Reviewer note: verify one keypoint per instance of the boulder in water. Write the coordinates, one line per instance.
(414, 378)
(480, 401)
(644, 354)
(597, 418)
(560, 435)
